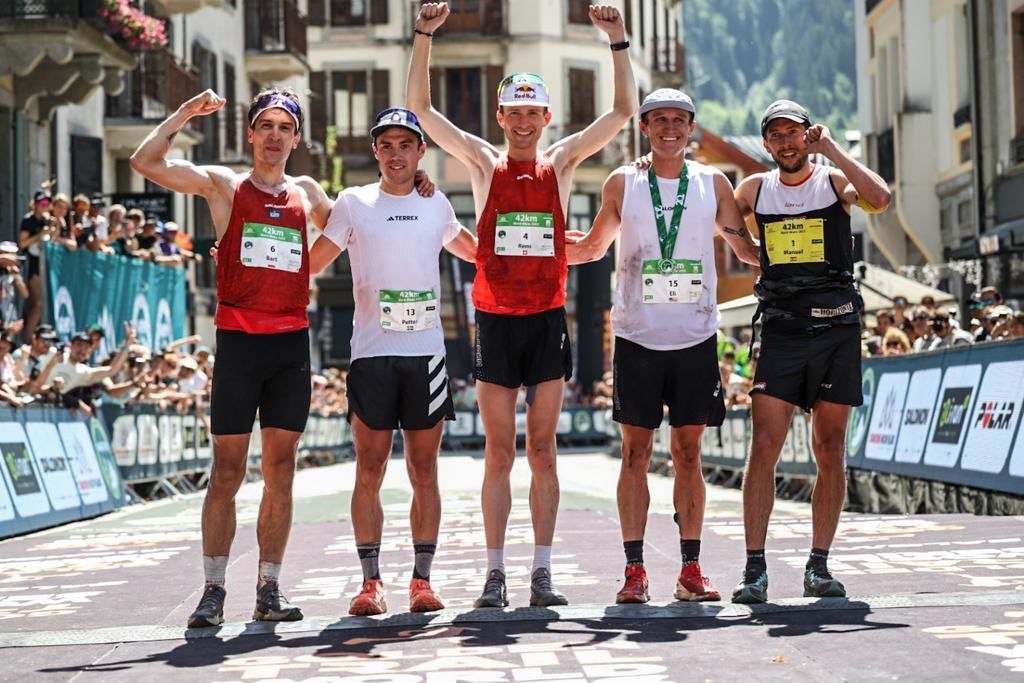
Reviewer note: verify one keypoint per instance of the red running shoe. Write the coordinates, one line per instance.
(634, 590)
(370, 600)
(422, 597)
(693, 586)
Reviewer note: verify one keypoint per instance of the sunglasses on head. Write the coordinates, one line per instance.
(279, 100)
(893, 345)
(529, 77)
(406, 114)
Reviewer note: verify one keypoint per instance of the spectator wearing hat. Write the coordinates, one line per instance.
(191, 380)
(1003, 320)
(171, 244)
(33, 357)
(148, 238)
(899, 309)
(12, 287)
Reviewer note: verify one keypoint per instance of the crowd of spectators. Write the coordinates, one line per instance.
(81, 222)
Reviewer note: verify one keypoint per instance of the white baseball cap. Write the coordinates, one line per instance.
(522, 89)
(668, 98)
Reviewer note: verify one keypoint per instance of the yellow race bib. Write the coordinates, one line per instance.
(796, 240)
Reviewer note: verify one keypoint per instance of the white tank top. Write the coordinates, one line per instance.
(671, 326)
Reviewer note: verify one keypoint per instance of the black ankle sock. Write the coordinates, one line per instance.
(690, 550)
(634, 551)
(818, 560)
(755, 560)
(369, 554)
(424, 558)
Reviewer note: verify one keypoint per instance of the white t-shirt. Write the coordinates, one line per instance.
(666, 326)
(393, 244)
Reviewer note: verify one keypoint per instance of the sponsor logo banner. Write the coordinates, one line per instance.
(887, 416)
(949, 425)
(993, 422)
(917, 414)
(56, 472)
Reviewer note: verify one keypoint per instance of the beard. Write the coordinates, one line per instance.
(797, 163)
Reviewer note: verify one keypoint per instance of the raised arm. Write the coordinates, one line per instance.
(575, 148)
(729, 221)
(179, 175)
(467, 148)
(606, 224)
(857, 183)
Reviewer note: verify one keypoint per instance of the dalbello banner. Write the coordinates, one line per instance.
(83, 288)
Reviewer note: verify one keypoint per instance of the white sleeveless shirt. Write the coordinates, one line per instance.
(666, 326)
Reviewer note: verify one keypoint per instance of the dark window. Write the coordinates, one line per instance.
(463, 104)
(641, 23)
(232, 113)
(348, 12)
(86, 164)
(206, 62)
(581, 99)
(579, 11)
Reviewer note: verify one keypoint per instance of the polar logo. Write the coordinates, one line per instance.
(141, 321)
(64, 313)
(164, 328)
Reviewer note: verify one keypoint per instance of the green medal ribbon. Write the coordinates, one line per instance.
(667, 237)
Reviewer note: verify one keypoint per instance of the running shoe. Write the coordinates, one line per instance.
(210, 611)
(494, 594)
(542, 593)
(634, 589)
(370, 600)
(753, 588)
(693, 586)
(422, 597)
(818, 584)
(271, 605)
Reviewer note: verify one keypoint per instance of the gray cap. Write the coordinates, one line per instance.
(784, 109)
(668, 98)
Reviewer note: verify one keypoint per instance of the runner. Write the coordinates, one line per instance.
(397, 379)
(810, 335)
(521, 195)
(260, 218)
(665, 319)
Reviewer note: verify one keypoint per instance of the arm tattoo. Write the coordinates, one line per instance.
(741, 232)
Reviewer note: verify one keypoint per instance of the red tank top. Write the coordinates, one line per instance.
(263, 263)
(520, 285)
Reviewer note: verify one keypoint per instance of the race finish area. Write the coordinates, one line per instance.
(107, 599)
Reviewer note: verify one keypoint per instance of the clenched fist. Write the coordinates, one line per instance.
(204, 103)
(609, 20)
(432, 15)
(818, 140)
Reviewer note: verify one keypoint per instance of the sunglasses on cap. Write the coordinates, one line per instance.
(276, 100)
(529, 77)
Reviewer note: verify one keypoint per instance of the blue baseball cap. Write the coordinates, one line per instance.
(396, 117)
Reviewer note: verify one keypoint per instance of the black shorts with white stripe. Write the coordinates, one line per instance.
(400, 392)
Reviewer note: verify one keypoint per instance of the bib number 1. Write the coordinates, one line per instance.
(798, 240)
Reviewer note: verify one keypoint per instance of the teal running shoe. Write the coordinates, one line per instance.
(821, 584)
(753, 589)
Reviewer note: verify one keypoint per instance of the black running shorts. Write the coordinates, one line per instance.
(686, 380)
(400, 392)
(802, 369)
(268, 373)
(522, 350)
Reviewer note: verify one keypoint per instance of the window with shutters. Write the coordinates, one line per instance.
(579, 11)
(474, 16)
(462, 99)
(232, 114)
(582, 111)
(206, 62)
(355, 99)
(355, 12)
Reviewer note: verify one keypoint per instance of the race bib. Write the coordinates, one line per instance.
(672, 281)
(525, 234)
(271, 246)
(406, 310)
(798, 240)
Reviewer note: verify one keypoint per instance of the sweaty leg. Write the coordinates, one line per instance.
(498, 413)
(634, 497)
(373, 448)
(688, 490)
(230, 454)
(541, 422)
(275, 518)
(770, 417)
(828, 426)
(421, 447)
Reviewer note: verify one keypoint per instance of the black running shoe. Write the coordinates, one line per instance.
(542, 593)
(271, 605)
(821, 584)
(210, 611)
(753, 589)
(494, 594)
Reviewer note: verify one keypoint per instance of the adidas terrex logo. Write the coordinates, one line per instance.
(403, 218)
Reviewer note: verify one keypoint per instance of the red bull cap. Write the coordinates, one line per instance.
(520, 89)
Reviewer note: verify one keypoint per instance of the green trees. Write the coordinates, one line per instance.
(742, 54)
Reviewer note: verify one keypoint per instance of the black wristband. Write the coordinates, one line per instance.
(423, 33)
(619, 46)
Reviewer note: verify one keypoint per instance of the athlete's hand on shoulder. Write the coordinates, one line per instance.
(423, 184)
(432, 16)
(202, 104)
(643, 163)
(609, 20)
(574, 236)
(213, 252)
(818, 140)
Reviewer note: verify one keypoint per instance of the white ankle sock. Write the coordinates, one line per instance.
(215, 569)
(496, 559)
(268, 572)
(542, 557)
